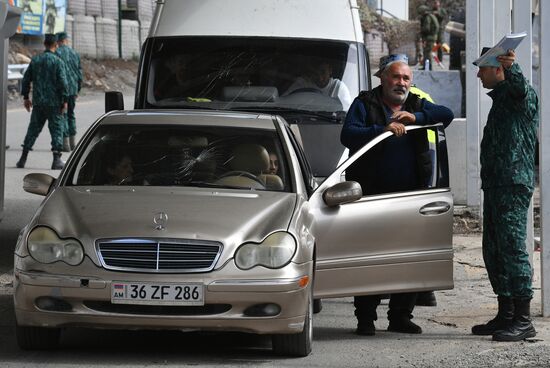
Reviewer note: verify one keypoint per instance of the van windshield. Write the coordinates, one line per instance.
(255, 74)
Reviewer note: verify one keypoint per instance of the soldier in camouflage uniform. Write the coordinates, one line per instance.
(429, 30)
(507, 176)
(46, 72)
(74, 78)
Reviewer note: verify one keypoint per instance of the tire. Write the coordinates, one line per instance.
(37, 338)
(317, 306)
(299, 344)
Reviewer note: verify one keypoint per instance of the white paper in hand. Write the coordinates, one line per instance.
(508, 42)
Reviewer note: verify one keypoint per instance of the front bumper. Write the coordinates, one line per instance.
(226, 299)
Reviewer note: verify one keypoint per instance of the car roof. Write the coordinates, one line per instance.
(191, 117)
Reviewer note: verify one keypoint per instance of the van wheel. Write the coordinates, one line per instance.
(317, 306)
(37, 338)
(299, 344)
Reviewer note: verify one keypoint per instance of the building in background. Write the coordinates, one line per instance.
(391, 8)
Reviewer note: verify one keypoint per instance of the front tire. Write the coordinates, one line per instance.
(297, 345)
(37, 338)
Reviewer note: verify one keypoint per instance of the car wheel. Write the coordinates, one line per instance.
(297, 345)
(317, 305)
(37, 338)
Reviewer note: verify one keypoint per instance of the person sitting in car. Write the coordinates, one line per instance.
(318, 78)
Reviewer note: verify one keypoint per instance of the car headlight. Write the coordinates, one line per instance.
(274, 252)
(46, 247)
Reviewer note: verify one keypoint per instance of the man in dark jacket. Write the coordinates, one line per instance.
(389, 107)
(74, 79)
(46, 72)
(508, 179)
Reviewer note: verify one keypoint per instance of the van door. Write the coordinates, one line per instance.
(387, 242)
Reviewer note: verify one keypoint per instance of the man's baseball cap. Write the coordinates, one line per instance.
(387, 60)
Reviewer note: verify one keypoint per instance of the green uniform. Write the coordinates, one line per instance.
(507, 177)
(74, 79)
(441, 15)
(46, 72)
(429, 29)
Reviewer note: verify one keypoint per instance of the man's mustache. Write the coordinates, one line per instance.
(399, 89)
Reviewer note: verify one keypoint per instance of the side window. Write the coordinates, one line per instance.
(415, 161)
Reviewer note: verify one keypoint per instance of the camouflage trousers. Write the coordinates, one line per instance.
(56, 126)
(504, 234)
(427, 45)
(70, 118)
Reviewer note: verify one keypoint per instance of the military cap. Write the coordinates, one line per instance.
(487, 61)
(49, 38)
(61, 36)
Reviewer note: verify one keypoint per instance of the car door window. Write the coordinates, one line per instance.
(415, 161)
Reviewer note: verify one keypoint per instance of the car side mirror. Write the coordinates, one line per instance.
(37, 183)
(114, 101)
(344, 192)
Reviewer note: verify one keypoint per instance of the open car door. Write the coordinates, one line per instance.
(385, 242)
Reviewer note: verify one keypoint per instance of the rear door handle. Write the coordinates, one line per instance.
(435, 208)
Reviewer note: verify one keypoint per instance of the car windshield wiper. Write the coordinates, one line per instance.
(202, 184)
(334, 116)
(183, 104)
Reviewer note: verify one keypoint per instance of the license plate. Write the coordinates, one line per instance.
(123, 292)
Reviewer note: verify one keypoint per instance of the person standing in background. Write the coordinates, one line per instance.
(74, 79)
(46, 72)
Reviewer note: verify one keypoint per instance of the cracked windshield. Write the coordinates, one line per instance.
(254, 74)
(238, 158)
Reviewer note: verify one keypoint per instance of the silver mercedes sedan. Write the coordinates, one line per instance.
(213, 221)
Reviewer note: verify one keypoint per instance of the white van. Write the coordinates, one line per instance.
(302, 59)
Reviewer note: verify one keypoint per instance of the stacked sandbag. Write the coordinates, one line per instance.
(84, 38)
(143, 31)
(144, 9)
(106, 38)
(93, 7)
(110, 9)
(76, 7)
(130, 39)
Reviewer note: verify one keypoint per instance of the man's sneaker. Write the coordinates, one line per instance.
(365, 328)
(404, 325)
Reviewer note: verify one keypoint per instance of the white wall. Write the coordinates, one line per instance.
(399, 8)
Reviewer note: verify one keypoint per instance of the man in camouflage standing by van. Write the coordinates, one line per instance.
(429, 31)
(46, 72)
(507, 180)
(74, 78)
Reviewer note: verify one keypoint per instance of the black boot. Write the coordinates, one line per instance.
(365, 328)
(426, 299)
(504, 317)
(400, 313)
(520, 328)
(23, 160)
(405, 325)
(57, 164)
(66, 145)
(72, 142)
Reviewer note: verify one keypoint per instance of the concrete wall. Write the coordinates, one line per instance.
(443, 86)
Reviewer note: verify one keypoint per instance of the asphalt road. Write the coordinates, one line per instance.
(446, 340)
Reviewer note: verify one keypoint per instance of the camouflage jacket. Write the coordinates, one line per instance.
(74, 70)
(510, 136)
(47, 73)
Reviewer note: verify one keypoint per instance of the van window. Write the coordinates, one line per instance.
(253, 73)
